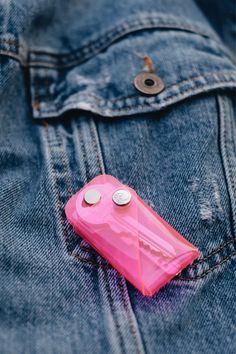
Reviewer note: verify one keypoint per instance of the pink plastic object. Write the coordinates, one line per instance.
(133, 238)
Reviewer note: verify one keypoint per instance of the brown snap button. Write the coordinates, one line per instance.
(149, 83)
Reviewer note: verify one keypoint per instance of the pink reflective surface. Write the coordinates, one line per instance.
(133, 238)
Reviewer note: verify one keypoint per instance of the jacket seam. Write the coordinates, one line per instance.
(194, 265)
(94, 46)
(200, 276)
(226, 152)
(122, 28)
(60, 202)
(114, 312)
(214, 252)
(128, 306)
(106, 40)
(97, 145)
(100, 167)
(210, 270)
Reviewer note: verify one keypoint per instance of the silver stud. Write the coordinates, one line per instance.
(121, 197)
(92, 196)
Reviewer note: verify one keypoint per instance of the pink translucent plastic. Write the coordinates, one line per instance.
(133, 238)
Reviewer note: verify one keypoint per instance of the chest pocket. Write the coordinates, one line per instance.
(176, 148)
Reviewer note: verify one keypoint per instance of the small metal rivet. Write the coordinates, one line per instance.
(148, 83)
(121, 197)
(92, 196)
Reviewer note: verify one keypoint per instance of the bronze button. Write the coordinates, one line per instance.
(149, 83)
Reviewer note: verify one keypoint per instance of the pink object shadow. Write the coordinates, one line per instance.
(133, 238)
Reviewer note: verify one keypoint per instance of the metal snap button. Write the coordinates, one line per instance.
(148, 83)
(92, 196)
(121, 197)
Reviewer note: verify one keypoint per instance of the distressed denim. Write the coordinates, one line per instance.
(69, 111)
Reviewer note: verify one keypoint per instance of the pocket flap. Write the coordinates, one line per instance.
(99, 77)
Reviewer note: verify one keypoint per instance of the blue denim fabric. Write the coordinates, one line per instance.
(69, 111)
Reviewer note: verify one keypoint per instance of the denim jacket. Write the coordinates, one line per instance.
(70, 111)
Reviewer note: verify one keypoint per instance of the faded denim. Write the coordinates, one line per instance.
(69, 111)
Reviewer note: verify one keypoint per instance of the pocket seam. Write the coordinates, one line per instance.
(210, 270)
(217, 251)
(198, 277)
(223, 79)
(134, 23)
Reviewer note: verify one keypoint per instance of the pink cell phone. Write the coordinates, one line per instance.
(131, 236)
